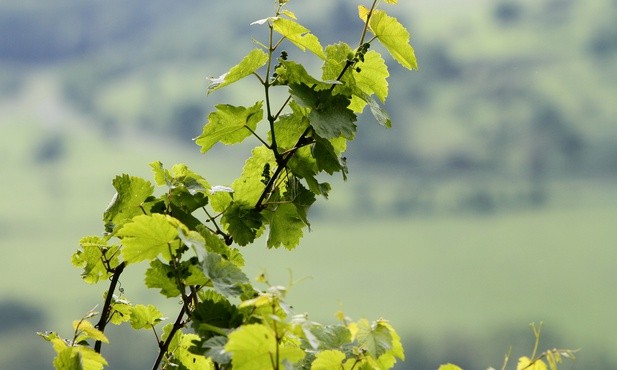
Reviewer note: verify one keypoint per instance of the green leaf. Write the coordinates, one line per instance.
(325, 156)
(330, 117)
(68, 359)
(327, 360)
(242, 222)
(375, 338)
(215, 349)
(285, 227)
(131, 193)
(226, 277)
(380, 114)
(79, 358)
(290, 73)
(160, 276)
(230, 125)
(331, 336)
(211, 319)
(256, 59)
(92, 256)
(161, 175)
(373, 75)
(146, 237)
(254, 346)
(120, 311)
(449, 367)
(145, 317)
(190, 360)
(298, 35)
(86, 331)
(214, 244)
(301, 198)
(393, 35)
(289, 127)
(249, 186)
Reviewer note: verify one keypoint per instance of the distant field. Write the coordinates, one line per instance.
(433, 277)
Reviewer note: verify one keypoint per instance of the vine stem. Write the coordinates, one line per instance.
(165, 346)
(107, 307)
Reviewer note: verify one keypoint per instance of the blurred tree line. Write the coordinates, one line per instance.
(514, 96)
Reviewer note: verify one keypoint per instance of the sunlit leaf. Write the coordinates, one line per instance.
(229, 125)
(298, 35)
(525, 363)
(373, 74)
(131, 193)
(449, 367)
(254, 346)
(392, 35)
(249, 186)
(146, 237)
(256, 59)
(87, 331)
(145, 317)
(285, 227)
(327, 360)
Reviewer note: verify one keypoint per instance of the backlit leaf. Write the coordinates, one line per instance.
(256, 59)
(145, 317)
(285, 227)
(373, 75)
(229, 125)
(92, 257)
(131, 193)
(146, 237)
(525, 363)
(87, 331)
(327, 360)
(254, 346)
(393, 35)
(449, 367)
(298, 35)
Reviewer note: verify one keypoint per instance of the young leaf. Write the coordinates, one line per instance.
(145, 317)
(393, 35)
(329, 116)
(131, 193)
(86, 331)
(255, 346)
(230, 125)
(449, 367)
(146, 237)
(285, 227)
(298, 35)
(92, 258)
(327, 360)
(525, 363)
(226, 277)
(256, 59)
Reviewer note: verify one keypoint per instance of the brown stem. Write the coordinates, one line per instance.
(107, 306)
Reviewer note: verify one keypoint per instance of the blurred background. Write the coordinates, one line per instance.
(489, 205)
